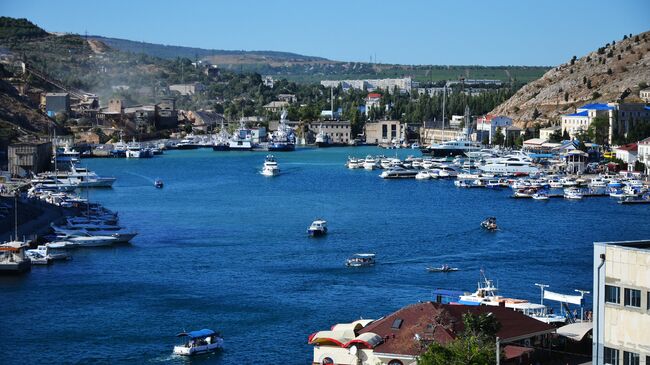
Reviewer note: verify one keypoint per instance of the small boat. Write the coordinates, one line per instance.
(317, 228)
(158, 184)
(270, 167)
(443, 268)
(540, 195)
(360, 260)
(199, 342)
(13, 257)
(37, 258)
(572, 193)
(490, 224)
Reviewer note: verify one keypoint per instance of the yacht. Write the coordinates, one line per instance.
(573, 193)
(198, 342)
(13, 258)
(85, 240)
(317, 228)
(242, 140)
(52, 251)
(81, 177)
(540, 195)
(360, 260)
(398, 173)
(509, 166)
(120, 236)
(270, 167)
(456, 147)
(135, 150)
(283, 139)
(423, 175)
(354, 163)
(65, 155)
(370, 163)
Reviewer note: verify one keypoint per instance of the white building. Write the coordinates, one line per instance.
(545, 133)
(187, 89)
(645, 95)
(373, 100)
(627, 153)
(621, 290)
(580, 121)
(489, 124)
(403, 84)
(643, 154)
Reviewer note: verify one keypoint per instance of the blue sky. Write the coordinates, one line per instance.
(457, 32)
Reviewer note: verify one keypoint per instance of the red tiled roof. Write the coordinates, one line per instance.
(628, 147)
(374, 95)
(441, 323)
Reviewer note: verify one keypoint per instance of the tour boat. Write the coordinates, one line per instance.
(13, 258)
(360, 260)
(398, 173)
(270, 167)
(317, 228)
(198, 342)
(490, 224)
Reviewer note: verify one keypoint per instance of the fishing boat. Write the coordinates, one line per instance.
(158, 184)
(317, 228)
(443, 268)
(360, 260)
(490, 224)
(283, 139)
(270, 167)
(198, 342)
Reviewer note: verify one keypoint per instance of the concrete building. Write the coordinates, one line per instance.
(621, 277)
(116, 106)
(187, 89)
(643, 154)
(339, 131)
(276, 106)
(488, 124)
(645, 95)
(580, 121)
(24, 158)
(166, 114)
(545, 133)
(433, 132)
(289, 98)
(57, 103)
(403, 84)
(373, 100)
(629, 115)
(399, 338)
(627, 153)
(384, 132)
(456, 121)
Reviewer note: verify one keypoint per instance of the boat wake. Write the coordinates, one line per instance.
(142, 176)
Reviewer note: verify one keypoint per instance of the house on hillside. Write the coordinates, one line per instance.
(276, 106)
(400, 337)
(373, 100)
(645, 95)
(628, 153)
(187, 89)
(57, 103)
(580, 121)
(487, 125)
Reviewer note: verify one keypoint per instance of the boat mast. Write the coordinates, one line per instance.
(16, 217)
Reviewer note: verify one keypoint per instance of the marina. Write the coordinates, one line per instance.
(409, 225)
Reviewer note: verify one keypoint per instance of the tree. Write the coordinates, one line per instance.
(536, 114)
(598, 130)
(498, 137)
(476, 345)
(565, 135)
(555, 137)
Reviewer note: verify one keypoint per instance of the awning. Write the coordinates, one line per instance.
(197, 334)
(575, 331)
(564, 298)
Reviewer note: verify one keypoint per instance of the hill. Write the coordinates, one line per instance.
(604, 75)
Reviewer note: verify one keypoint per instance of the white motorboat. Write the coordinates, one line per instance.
(317, 228)
(443, 268)
(13, 257)
(573, 193)
(270, 167)
(354, 163)
(360, 260)
(540, 195)
(447, 171)
(423, 175)
(370, 163)
(86, 240)
(513, 165)
(198, 342)
(119, 235)
(455, 147)
(398, 173)
(50, 251)
(242, 139)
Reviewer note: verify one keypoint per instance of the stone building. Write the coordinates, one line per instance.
(24, 158)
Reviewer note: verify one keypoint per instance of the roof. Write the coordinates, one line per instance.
(631, 147)
(374, 95)
(645, 141)
(551, 128)
(597, 106)
(197, 334)
(535, 141)
(575, 331)
(442, 323)
(580, 114)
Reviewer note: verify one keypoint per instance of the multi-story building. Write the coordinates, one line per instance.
(57, 103)
(645, 95)
(545, 133)
(187, 89)
(643, 154)
(488, 124)
(403, 84)
(629, 115)
(580, 121)
(339, 131)
(373, 100)
(384, 132)
(27, 158)
(621, 334)
(276, 106)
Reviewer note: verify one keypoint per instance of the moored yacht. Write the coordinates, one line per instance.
(398, 173)
(242, 139)
(455, 147)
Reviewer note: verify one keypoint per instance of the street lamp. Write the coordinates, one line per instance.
(582, 309)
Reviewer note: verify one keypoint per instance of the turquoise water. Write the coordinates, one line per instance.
(223, 247)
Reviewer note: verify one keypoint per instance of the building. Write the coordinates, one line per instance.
(545, 133)
(621, 303)
(289, 98)
(268, 81)
(645, 95)
(187, 89)
(403, 85)
(339, 131)
(433, 132)
(276, 106)
(628, 153)
(57, 103)
(487, 126)
(116, 106)
(373, 100)
(580, 121)
(166, 114)
(384, 132)
(400, 337)
(211, 71)
(24, 158)
(205, 120)
(643, 154)
(629, 115)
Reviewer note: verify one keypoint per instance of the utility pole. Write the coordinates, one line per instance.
(582, 309)
(498, 351)
(541, 287)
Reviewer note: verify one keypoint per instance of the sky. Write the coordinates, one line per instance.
(457, 32)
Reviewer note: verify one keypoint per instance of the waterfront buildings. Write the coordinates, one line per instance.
(384, 132)
(627, 153)
(433, 132)
(57, 103)
(27, 158)
(400, 337)
(621, 277)
(580, 121)
(338, 131)
(643, 153)
(488, 124)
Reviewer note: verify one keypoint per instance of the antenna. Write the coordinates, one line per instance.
(541, 287)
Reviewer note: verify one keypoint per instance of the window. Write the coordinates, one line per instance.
(612, 294)
(395, 362)
(384, 131)
(647, 301)
(632, 298)
(397, 323)
(611, 356)
(630, 358)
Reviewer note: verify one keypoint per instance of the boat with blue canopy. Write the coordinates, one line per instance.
(198, 342)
